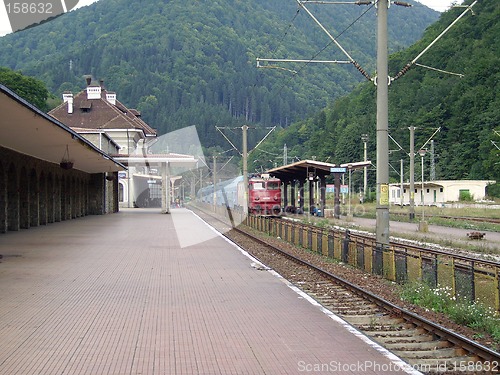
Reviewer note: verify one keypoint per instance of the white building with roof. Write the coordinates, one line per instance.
(100, 117)
(438, 192)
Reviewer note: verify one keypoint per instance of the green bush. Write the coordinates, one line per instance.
(493, 190)
(465, 196)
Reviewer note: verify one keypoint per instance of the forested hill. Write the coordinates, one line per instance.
(467, 109)
(193, 62)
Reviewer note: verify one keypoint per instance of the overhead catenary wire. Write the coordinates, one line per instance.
(290, 24)
(440, 70)
(334, 39)
(414, 61)
(313, 58)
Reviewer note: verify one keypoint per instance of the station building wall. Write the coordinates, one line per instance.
(34, 192)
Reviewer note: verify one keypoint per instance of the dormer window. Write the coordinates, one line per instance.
(111, 97)
(85, 106)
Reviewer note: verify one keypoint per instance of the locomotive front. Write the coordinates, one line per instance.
(264, 196)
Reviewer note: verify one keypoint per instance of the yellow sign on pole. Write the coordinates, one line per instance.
(384, 195)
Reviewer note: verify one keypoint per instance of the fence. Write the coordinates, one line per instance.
(470, 279)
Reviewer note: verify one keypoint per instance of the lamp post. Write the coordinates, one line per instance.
(364, 139)
(423, 227)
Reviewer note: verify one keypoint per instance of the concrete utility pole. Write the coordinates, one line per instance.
(215, 181)
(412, 172)
(422, 227)
(401, 183)
(364, 138)
(432, 176)
(245, 167)
(382, 81)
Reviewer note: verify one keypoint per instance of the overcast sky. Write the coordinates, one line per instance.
(439, 5)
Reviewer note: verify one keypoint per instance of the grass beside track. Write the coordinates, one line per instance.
(485, 320)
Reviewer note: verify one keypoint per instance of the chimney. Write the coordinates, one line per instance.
(68, 98)
(93, 92)
(111, 97)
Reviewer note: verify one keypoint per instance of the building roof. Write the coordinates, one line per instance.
(100, 113)
(443, 183)
(29, 131)
(300, 169)
(157, 159)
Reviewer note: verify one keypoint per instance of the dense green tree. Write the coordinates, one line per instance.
(197, 58)
(28, 88)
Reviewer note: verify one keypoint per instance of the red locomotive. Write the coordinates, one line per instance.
(264, 195)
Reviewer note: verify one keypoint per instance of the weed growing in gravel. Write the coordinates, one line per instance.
(476, 316)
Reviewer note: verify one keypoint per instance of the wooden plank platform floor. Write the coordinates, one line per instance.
(139, 292)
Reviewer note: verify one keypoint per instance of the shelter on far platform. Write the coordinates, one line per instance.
(315, 173)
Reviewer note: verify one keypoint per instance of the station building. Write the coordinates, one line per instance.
(438, 192)
(49, 172)
(97, 114)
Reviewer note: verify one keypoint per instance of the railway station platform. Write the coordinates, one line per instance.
(139, 292)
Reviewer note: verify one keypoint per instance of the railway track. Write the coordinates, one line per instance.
(423, 344)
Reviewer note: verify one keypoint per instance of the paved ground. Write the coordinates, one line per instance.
(143, 293)
(436, 233)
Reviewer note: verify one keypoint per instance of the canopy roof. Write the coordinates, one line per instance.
(301, 169)
(29, 131)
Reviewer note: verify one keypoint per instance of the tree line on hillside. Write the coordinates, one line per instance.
(194, 63)
(467, 109)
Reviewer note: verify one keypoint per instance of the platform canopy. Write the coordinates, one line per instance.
(303, 169)
(29, 131)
